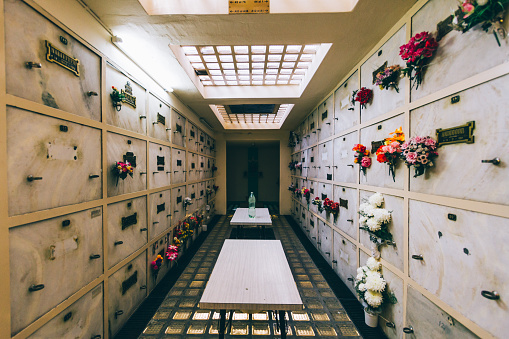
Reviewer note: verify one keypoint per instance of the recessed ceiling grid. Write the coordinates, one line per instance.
(276, 118)
(251, 65)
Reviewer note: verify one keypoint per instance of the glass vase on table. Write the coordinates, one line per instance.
(252, 205)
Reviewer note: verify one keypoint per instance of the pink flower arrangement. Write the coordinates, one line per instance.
(419, 152)
(172, 252)
(391, 150)
(362, 157)
(417, 54)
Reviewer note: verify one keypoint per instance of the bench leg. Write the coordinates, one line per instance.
(222, 323)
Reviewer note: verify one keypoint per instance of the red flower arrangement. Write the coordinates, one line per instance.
(363, 96)
(362, 157)
(306, 193)
(122, 169)
(331, 207)
(390, 151)
(417, 54)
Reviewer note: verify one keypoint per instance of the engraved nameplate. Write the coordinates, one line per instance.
(192, 134)
(201, 193)
(329, 176)
(193, 165)
(312, 223)
(343, 203)
(456, 135)
(312, 126)
(201, 164)
(161, 119)
(129, 282)
(376, 145)
(178, 128)
(161, 208)
(444, 27)
(379, 70)
(129, 221)
(179, 162)
(201, 138)
(312, 159)
(179, 199)
(160, 163)
(324, 115)
(131, 158)
(129, 98)
(303, 215)
(58, 57)
(193, 195)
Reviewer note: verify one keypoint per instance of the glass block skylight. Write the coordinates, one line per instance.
(259, 65)
(231, 120)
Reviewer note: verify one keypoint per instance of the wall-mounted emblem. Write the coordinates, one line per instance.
(128, 95)
(58, 57)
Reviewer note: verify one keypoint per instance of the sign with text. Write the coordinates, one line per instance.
(455, 135)
(248, 6)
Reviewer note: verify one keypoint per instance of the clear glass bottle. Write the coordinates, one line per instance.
(252, 205)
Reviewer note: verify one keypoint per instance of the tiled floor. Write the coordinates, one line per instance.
(179, 316)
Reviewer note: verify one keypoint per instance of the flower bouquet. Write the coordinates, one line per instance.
(371, 289)
(306, 193)
(391, 149)
(117, 98)
(363, 96)
(417, 53)
(187, 202)
(362, 157)
(331, 207)
(375, 219)
(298, 192)
(419, 152)
(122, 169)
(156, 264)
(388, 78)
(298, 166)
(318, 203)
(172, 252)
(291, 165)
(487, 13)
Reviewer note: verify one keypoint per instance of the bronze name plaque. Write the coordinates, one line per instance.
(375, 145)
(129, 98)
(456, 135)
(249, 6)
(58, 57)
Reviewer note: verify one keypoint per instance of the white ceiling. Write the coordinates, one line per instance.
(146, 38)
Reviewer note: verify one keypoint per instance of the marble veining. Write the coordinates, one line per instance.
(160, 174)
(342, 96)
(156, 128)
(345, 214)
(326, 118)
(460, 259)
(160, 211)
(345, 255)
(345, 170)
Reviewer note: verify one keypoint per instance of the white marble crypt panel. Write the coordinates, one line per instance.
(430, 321)
(127, 228)
(391, 253)
(40, 252)
(383, 100)
(378, 173)
(178, 129)
(304, 218)
(129, 117)
(459, 56)
(348, 219)
(50, 162)
(297, 139)
(344, 260)
(314, 162)
(325, 160)
(201, 141)
(178, 166)
(458, 264)
(324, 242)
(123, 148)
(192, 137)
(82, 319)
(344, 168)
(313, 128)
(159, 124)
(160, 212)
(178, 194)
(459, 171)
(305, 163)
(26, 33)
(159, 248)
(304, 127)
(345, 115)
(127, 289)
(326, 118)
(202, 162)
(313, 188)
(192, 192)
(324, 191)
(192, 166)
(159, 160)
(313, 229)
(201, 195)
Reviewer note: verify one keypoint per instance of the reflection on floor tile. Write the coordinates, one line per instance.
(179, 316)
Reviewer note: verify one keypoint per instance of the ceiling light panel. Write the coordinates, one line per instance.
(235, 116)
(247, 65)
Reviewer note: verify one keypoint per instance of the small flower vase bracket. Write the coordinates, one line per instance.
(489, 14)
(417, 54)
(116, 98)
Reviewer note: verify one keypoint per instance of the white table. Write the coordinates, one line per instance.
(251, 275)
(241, 218)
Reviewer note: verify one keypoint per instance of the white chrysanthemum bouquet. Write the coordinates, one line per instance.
(371, 286)
(375, 219)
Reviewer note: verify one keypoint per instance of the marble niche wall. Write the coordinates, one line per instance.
(449, 225)
(81, 239)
